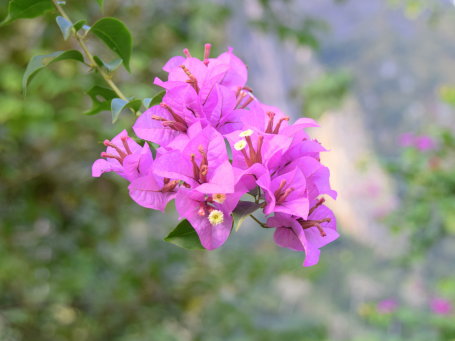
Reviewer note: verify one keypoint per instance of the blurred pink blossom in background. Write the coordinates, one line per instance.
(406, 140)
(441, 306)
(387, 306)
(422, 143)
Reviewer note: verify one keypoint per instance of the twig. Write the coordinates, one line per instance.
(89, 56)
(259, 222)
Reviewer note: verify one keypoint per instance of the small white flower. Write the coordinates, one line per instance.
(216, 217)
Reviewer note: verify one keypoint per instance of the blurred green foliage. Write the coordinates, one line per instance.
(326, 92)
(407, 324)
(426, 182)
(276, 17)
(81, 261)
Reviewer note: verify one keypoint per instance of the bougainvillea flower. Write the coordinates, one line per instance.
(163, 123)
(264, 118)
(236, 73)
(309, 148)
(316, 174)
(203, 164)
(221, 110)
(285, 193)
(124, 157)
(210, 215)
(225, 70)
(307, 235)
(153, 191)
(250, 147)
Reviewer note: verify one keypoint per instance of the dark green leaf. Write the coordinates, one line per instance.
(37, 63)
(118, 105)
(22, 9)
(135, 104)
(79, 24)
(65, 26)
(184, 236)
(116, 36)
(101, 98)
(242, 211)
(157, 99)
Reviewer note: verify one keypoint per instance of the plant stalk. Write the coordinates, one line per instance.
(89, 56)
(259, 222)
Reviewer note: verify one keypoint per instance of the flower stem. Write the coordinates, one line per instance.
(89, 56)
(261, 224)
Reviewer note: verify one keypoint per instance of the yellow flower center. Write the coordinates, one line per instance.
(216, 217)
(219, 198)
(239, 145)
(246, 133)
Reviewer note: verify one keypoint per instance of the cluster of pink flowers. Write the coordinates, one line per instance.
(218, 142)
(438, 306)
(422, 143)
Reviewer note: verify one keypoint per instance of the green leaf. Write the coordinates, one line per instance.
(79, 24)
(23, 9)
(146, 102)
(116, 36)
(110, 67)
(185, 236)
(155, 100)
(242, 211)
(100, 3)
(37, 63)
(118, 105)
(101, 98)
(65, 26)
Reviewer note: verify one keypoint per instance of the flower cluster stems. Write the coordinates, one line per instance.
(261, 224)
(80, 39)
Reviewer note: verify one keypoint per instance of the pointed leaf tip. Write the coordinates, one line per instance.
(184, 236)
(65, 26)
(242, 211)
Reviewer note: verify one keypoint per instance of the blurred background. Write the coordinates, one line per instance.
(79, 260)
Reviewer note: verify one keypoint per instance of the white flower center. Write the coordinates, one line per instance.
(216, 217)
